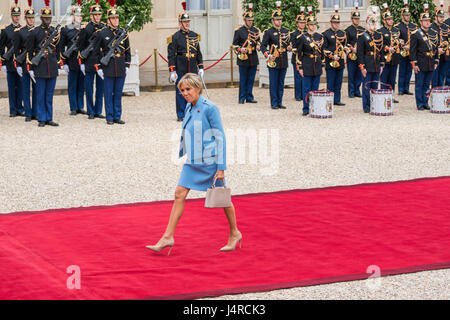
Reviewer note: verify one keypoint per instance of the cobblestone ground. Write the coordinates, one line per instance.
(85, 162)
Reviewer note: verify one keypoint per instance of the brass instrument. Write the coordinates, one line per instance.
(352, 55)
(403, 52)
(253, 37)
(274, 53)
(340, 51)
(244, 56)
(395, 43)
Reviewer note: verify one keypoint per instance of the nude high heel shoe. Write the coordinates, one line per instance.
(162, 245)
(232, 246)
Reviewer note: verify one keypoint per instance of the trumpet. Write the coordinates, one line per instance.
(351, 54)
(275, 53)
(249, 50)
(340, 51)
(404, 52)
(396, 45)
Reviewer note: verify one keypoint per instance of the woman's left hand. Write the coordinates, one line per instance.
(220, 175)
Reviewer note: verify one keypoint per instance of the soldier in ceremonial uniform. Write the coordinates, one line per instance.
(406, 27)
(114, 73)
(310, 59)
(75, 79)
(247, 40)
(185, 56)
(295, 36)
(20, 51)
(370, 59)
(86, 41)
(391, 48)
(45, 72)
(334, 49)
(274, 46)
(442, 32)
(354, 31)
(15, 93)
(424, 58)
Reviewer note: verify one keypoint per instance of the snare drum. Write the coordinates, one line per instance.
(321, 104)
(381, 102)
(440, 100)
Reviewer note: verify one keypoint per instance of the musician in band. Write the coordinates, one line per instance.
(88, 62)
(15, 93)
(309, 59)
(334, 48)
(370, 59)
(295, 36)
(274, 47)
(391, 51)
(424, 59)
(406, 27)
(47, 69)
(75, 78)
(20, 52)
(442, 39)
(354, 31)
(115, 70)
(247, 43)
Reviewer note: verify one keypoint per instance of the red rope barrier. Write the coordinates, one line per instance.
(145, 60)
(162, 57)
(217, 61)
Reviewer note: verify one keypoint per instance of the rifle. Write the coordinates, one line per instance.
(85, 53)
(114, 45)
(21, 57)
(9, 54)
(37, 58)
(73, 48)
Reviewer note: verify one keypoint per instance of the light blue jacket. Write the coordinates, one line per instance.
(203, 137)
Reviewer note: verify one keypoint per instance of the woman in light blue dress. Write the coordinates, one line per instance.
(203, 140)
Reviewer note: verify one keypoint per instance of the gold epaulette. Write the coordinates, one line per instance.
(34, 27)
(17, 29)
(3, 27)
(199, 37)
(412, 32)
(237, 28)
(169, 39)
(84, 25)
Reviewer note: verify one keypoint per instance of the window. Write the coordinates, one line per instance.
(329, 4)
(195, 5)
(220, 5)
(59, 7)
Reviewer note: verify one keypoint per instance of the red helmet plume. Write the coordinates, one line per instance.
(184, 5)
(47, 3)
(112, 3)
(30, 3)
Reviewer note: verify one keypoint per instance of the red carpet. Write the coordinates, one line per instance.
(290, 238)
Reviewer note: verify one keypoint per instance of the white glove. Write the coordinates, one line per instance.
(173, 76)
(83, 68)
(59, 72)
(66, 68)
(126, 70)
(4, 69)
(20, 71)
(101, 74)
(201, 73)
(31, 72)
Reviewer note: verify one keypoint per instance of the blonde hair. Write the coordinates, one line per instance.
(191, 80)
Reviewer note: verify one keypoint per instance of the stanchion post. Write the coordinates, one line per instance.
(156, 88)
(231, 84)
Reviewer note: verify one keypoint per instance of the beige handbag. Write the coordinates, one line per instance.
(218, 197)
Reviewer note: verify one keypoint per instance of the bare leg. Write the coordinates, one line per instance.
(231, 217)
(176, 213)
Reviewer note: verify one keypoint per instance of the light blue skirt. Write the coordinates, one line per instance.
(198, 176)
